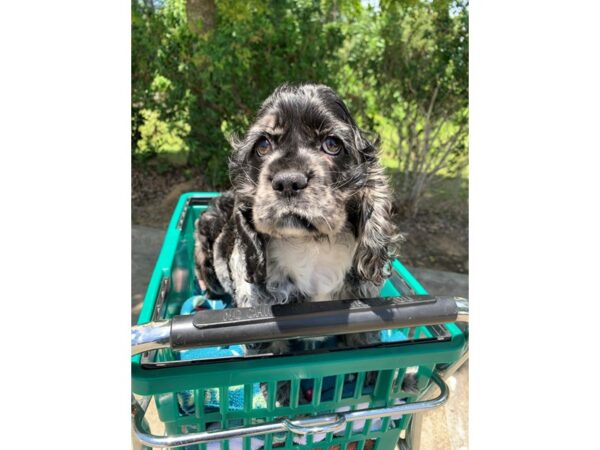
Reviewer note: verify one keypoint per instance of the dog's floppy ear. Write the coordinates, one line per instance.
(252, 246)
(376, 232)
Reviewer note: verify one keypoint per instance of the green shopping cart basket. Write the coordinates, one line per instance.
(337, 398)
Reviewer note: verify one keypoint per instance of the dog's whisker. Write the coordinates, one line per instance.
(344, 183)
(353, 178)
(327, 222)
(248, 177)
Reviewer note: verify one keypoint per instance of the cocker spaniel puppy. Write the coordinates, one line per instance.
(308, 218)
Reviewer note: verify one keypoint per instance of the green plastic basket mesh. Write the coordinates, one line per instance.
(217, 395)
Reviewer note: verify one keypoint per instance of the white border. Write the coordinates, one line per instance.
(65, 237)
(534, 224)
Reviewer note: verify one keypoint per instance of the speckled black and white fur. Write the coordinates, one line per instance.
(325, 235)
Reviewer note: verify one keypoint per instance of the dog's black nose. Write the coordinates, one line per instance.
(289, 183)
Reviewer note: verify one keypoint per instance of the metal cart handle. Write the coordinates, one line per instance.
(318, 424)
(266, 323)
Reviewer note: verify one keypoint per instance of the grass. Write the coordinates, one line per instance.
(391, 163)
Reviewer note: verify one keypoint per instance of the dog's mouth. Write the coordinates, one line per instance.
(295, 222)
(301, 222)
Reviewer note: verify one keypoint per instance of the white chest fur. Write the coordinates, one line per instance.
(316, 268)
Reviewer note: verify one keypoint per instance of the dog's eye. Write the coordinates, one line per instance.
(332, 145)
(262, 146)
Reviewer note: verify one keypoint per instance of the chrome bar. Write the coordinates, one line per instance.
(449, 371)
(150, 336)
(315, 424)
(318, 424)
(412, 441)
(462, 305)
(141, 405)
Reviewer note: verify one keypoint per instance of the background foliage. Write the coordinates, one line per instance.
(201, 68)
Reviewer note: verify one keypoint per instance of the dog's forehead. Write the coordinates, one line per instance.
(295, 113)
(268, 122)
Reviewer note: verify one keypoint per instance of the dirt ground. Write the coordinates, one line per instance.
(437, 238)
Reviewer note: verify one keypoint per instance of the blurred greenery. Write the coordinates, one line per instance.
(201, 68)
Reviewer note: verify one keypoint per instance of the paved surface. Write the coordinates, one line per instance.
(443, 429)
(145, 246)
(442, 283)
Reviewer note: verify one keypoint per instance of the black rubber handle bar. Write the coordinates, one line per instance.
(266, 323)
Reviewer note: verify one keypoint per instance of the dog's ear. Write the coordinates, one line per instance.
(252, 246)
(376, 232)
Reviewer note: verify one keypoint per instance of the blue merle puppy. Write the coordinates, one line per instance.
(309, 215)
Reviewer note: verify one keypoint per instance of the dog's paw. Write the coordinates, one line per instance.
(265, 348)
(410, 382)
(357, 340)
